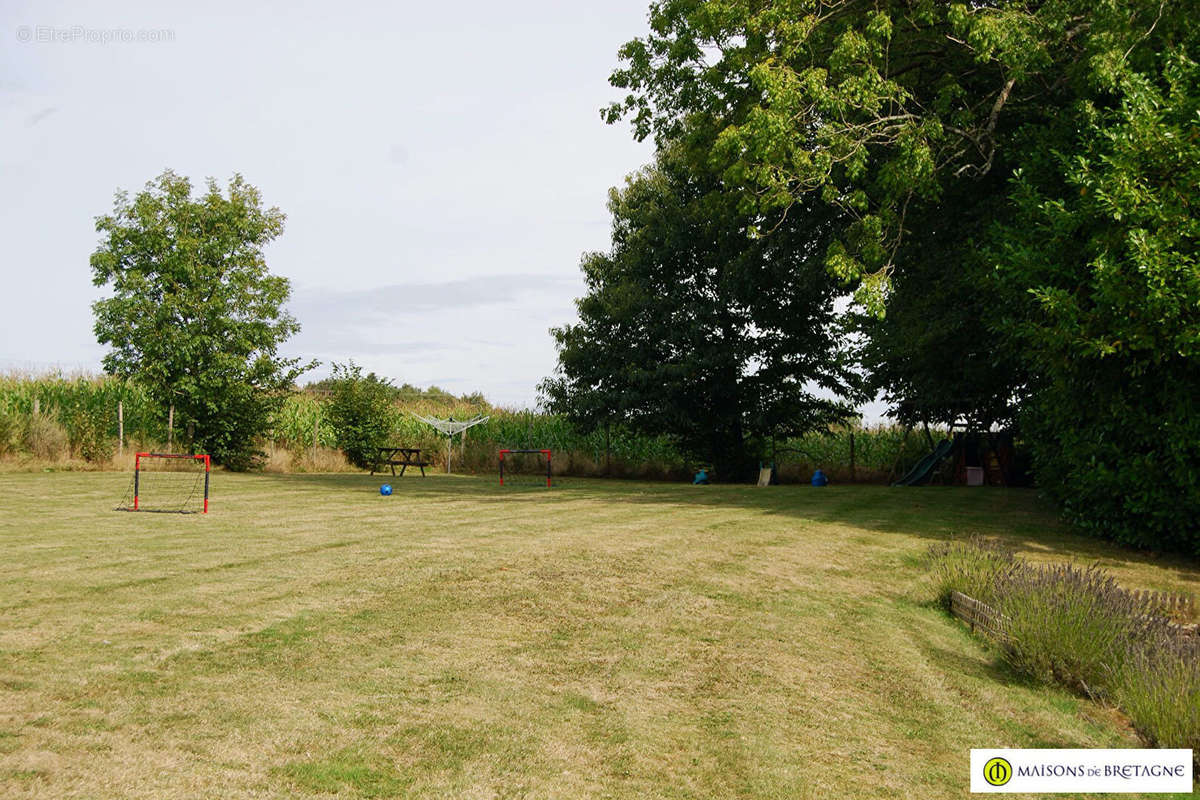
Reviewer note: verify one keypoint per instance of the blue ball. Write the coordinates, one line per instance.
(386, 489)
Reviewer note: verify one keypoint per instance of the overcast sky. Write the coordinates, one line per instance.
(442, 166)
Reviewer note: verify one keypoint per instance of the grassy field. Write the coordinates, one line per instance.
(310, 638)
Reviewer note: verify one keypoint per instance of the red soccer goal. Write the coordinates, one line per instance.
(172, 483)
(524, 463)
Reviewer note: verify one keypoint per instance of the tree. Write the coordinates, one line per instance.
(1050, 144)
(362, 411)
(194, 315)
(939, 355)
(692, 329)
(873, 106)
(1105, 242)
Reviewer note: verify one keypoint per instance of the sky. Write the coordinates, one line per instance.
(442, 168)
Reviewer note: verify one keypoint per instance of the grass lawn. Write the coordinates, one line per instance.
(310, 638)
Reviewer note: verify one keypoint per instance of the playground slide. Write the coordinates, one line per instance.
(920, 473)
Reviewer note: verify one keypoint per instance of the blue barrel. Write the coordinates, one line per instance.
(819, 479)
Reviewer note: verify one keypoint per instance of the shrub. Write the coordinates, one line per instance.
(10, 427)
(1159, 688)
(361, 412)
(972, 567)
(88, 436)
(1072, 624)
(45, 438)
(1077, 627)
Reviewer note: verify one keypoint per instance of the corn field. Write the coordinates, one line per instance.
(62, 417)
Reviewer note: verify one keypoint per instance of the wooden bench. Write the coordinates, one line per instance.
(402, 457)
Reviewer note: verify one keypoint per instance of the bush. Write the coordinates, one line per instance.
(1159, 688)
(88, 436)
(45, 438)
(973, 567)
(361, 412)
(1072, 625)
(10, 427)
(1077, 627)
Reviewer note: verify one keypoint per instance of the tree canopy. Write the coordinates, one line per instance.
(692, 329)
(1010, 190)
(195, 315)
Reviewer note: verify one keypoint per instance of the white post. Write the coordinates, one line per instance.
(120, 427)
(449, 451)
(170, 426)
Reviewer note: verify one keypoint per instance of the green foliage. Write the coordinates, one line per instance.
(973, 568)
(1159, 687)
(1014, 188)
(1077, 627)
(10, 430)
(88, 435)
(1072, 625)
(44, 437)
(936, 356)
(361, 412)
(195, 316)
(1105, 244)
(694, 330)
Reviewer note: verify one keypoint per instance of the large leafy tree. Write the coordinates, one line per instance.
(875, 106)
(194, 315)
(1022, 163)
(938, 354)
(692, 329)
(1106, 243)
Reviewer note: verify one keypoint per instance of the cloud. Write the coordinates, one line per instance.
(34, 119)
(326, 308)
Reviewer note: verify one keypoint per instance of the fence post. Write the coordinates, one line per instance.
(120, 427)
(170, 427)
(37, 405)
(316, 435)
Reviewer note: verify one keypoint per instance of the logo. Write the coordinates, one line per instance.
(997, 771)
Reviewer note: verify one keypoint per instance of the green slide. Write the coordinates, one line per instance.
(921, 472)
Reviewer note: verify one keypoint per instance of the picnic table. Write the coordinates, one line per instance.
(402, 457)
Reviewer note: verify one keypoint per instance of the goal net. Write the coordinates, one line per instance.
(525, 467)
(168, 483)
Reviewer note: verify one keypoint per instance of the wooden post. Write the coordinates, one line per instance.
(449, 451)
(170, 426)
(316, 435)
(37, 406)
(121, 427)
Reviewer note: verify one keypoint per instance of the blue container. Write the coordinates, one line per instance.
(819, 479)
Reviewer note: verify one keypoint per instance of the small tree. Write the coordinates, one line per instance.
(361, 411)
(195, 316)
